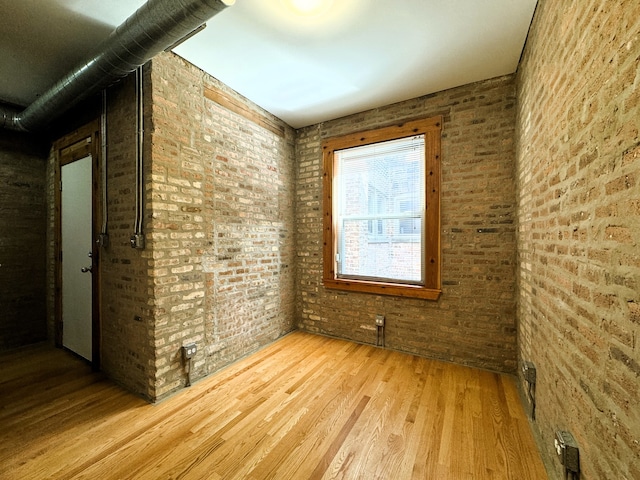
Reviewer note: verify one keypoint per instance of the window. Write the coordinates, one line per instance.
(376, 203)
(382, 210)
(379, 206)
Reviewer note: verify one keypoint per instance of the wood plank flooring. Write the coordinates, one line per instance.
(305, 407)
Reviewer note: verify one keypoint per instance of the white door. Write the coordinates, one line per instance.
(76, 262)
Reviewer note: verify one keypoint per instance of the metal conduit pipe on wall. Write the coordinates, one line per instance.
(103, 238)
(137, 239)
(154, 27)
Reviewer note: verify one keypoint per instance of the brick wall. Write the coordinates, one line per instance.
(50, 245)
(22, 240)
(221, 202)
(218, 267)
(473, 323)
(128, 348)
(578, 172)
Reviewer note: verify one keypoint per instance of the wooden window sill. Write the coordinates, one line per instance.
(378, 288)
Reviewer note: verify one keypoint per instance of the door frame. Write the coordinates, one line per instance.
(74, 146)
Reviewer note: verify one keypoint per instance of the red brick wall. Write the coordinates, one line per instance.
(22, 240)
(578, 172)
(473, 323)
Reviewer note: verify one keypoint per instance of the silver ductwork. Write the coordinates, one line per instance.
(154, 27)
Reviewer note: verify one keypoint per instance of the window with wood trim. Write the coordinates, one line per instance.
(382, 210)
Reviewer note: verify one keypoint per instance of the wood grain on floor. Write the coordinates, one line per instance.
(305, 407)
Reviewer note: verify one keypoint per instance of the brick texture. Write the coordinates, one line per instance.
(218, 267)
(220, 208)
(22, 240)
(578, 172)
(473, 323)
(128, 349)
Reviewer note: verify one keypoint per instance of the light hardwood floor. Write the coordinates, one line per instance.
(305, 407)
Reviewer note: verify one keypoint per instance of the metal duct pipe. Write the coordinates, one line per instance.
(155, 26)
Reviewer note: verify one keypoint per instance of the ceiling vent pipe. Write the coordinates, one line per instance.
(154, 27)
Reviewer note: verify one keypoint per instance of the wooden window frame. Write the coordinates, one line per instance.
(431, 129)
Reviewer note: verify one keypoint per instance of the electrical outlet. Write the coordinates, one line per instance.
(380, 320)
(529, 372)
(103, 240)
(567, 450)
(189, 350)
(137, 240)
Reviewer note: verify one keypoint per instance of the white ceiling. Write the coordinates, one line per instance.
(352, 56)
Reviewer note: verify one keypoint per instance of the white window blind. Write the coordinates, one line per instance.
(379, 198)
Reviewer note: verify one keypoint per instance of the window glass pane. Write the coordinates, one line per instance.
(380, 205)
(387, 256)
